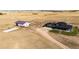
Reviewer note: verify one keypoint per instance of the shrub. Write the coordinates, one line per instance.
(35, 13)
(1, 13)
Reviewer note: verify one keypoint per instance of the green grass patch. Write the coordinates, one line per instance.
(55, 31)
(73, 32)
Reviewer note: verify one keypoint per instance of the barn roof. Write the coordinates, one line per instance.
(59, 25)
(20, 22)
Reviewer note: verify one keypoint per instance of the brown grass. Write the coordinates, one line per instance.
(27, 37)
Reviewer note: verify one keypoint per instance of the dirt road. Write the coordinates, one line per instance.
(44, 33)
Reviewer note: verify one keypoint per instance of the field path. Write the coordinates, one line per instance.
(47, 36)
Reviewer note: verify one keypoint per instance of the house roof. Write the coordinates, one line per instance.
(20, 22)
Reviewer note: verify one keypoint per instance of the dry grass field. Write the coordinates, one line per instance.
(28, 37)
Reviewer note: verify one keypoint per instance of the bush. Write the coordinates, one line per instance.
(35, 13)
(1, 13)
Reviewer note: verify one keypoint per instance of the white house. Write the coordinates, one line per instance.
(22, 23)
